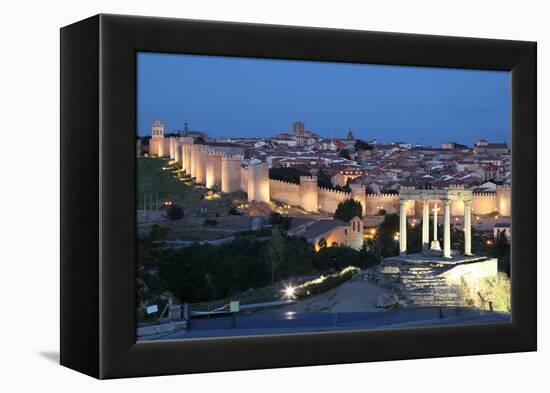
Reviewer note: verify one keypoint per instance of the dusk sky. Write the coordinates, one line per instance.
(243, 97)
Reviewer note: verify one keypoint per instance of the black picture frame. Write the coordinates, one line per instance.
(98, 202)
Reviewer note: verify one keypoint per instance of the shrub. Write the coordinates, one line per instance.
(174, 212)
(291, 175)
(277, 219)
(233, 211)
(348, 209)
(495, 290)
(344, 154)
(324, 283)
(209, 223)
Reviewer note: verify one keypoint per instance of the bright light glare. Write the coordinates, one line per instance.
(289, 292)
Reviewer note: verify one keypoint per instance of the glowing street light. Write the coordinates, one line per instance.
(289, 292)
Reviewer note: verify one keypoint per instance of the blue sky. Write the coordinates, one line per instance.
(244, 97)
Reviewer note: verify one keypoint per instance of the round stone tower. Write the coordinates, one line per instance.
(503, 195)
(258, 182)
(171, 142)
(231, 173)
(359, 193)
(309, 194)
(186, 158)
(193, 160)
(213, 169)
(177, 151)
(200, 166)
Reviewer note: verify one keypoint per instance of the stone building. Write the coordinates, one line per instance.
(159, 146)
(331, 233)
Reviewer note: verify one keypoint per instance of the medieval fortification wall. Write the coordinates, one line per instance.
(216, 168)
(284, 192)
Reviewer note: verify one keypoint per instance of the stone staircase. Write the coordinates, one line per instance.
(424, 286)
(418, 284)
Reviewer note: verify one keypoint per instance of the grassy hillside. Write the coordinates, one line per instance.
(153, 181)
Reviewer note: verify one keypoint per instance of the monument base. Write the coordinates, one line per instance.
(427, 279)
(435, 245)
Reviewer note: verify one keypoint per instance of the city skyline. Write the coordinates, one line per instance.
(242, 97)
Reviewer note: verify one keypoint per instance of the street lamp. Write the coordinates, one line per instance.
(289, 292)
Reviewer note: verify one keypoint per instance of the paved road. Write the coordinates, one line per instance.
(276, 322)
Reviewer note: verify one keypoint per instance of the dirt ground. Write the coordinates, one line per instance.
(193, 228)
(352, 296)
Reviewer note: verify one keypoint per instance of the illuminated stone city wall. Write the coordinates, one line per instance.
(329, 199)
(213, 169)
(484, 203)
(387, 202)
(309, 194)
(244, 179)
(231, 173)
(186, 157)
(177, 151)
(200, 166)
(284, 192)
(504, 201)
(258, 182)
(359, 193)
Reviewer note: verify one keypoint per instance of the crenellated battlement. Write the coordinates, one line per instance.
(228, 157)
(382, 195)
(329, 190)
(284, 182)
(483, 194)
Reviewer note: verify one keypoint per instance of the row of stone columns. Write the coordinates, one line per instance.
(446, 228)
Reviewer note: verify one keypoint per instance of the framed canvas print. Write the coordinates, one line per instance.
(239, 196)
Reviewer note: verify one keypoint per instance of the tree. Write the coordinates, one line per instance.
(501, 250)
(362, 145)
(322, 243)
(348, 209)
(291, 175)
(283, 222)
(174, 212)
(275, 251)
(331, 259)
(345, 154)
(388, 246)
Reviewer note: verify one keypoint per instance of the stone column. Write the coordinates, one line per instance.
(435, 243)
(436, 209)
(447, 230)
(426, 226)
(468, 227)
(402, 228)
